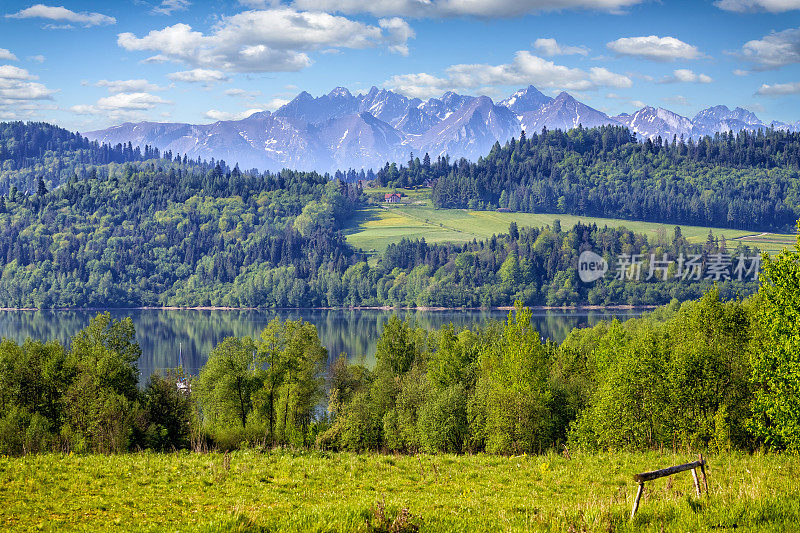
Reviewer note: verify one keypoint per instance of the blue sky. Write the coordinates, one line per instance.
(86, 65)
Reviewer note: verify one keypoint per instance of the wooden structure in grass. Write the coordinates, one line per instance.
(655, 474)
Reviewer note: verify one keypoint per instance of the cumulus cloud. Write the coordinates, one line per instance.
(779, 89)
(121, 106)
(168, 7)
(7, 55)
(128, 86)
(550, 47)
(10, 72)
(399, 32)
(62, 14)
(748, 6)
(20, 97)
(525, 69)
(215, 114)
(271, 40)
(277, 102)
(740, 72)
(199, 75)
(455, 8)
(684, 75)
(130, 101)
(773, 51)
(654, 48)
(15, 110)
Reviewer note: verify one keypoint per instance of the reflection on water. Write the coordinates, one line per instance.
(162, 334)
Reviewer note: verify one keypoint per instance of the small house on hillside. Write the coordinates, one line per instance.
(392, 197)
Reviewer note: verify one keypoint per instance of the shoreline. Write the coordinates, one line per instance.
(620, 307)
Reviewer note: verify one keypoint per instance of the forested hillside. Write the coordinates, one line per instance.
(747, 180)
(165, 233)
(34, 150)
(148, 233)
(168, 231)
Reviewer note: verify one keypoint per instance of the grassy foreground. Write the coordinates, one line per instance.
(374, 227)
(315, 491)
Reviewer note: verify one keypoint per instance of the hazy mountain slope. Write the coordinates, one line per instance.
(340, 130)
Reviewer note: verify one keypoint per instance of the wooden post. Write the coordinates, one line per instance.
(703, 471)
(638, 497)
(696, 483)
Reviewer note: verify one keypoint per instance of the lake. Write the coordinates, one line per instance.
(166, 334)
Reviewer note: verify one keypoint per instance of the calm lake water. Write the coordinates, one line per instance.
(163, 334)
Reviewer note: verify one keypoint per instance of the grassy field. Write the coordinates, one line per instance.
(375, 227)
(314, 491)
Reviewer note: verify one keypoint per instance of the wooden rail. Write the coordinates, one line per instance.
(655, 474)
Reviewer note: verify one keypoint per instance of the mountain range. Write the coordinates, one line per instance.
(340, 130)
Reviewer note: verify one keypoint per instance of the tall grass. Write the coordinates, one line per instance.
(316, 491)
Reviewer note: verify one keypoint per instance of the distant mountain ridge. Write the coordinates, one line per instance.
(339, 130)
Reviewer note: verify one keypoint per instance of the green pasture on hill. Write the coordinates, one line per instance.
(316, 491)
(374, 228)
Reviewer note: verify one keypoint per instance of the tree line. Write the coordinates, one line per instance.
(708, 373)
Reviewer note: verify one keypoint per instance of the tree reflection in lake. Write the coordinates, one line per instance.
(162, 334)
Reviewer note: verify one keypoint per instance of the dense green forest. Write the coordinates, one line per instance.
(36, 152)
(709, 374)
(152, 233)
(161, 233)
(133, 228)
(747, 180)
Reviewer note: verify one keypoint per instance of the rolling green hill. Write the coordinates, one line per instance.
(376, 227)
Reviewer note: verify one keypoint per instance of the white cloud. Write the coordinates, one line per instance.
(266, 41)
(779, 89)
(199, 75)
(121, 106)
(10, 72)
(525, 69)
(158, 58)
(241, 93)
(7, 55)
(19, 110)
(63, 14)
(603, 77)
(685, 75)
(654, 48)
(130, 101)
(16, 86)
(128, 86)
(740, 72)
(167, 7)
(455, 8)
(748, 6)
(550, 47)
(277, 102)
(775, 50)
(215, 114)
(399, 32)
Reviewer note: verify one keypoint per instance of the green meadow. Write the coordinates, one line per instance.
(374, 228)
(317, 491)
